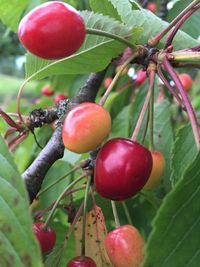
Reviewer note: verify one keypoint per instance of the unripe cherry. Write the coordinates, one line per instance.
(85, 127)
(47, 91)
(186, 81)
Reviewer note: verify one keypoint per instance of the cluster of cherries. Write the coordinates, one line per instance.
(123, 166)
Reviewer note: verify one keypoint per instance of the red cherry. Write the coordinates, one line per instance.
(140, 78)
(81, 262)
(125, 246)
(52, 30)
(186, 81)
(107, 82)
(46, 238)
(85, 127)
(122, 168)
(152, 7)
(59, 98)
(47, 91)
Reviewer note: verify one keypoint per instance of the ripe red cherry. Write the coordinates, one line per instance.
(140, 78)
(152, 7)
(107, 82)
(125, 246)
(81, 262)
(59, 98)
(52, 30)
(46, 238)
(85, 127)
(157, 170)
(47, 91)
(122, 168)
(186, 80)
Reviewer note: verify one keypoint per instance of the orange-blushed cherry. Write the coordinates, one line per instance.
(52, 30)
(85, 127)
(122, 169)
(125, 246)
(186, 81)
(81, 262)
(157, 170)
(45, 237)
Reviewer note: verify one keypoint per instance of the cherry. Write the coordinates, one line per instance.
(157, 170)
(52, 30)
(122, 168)
(125, 246)
(81, 262)
(47, 91)
(59, 98)
(107, 82)
(186, 81)
(152, 7)
(85, 127)
(140, 78)
(46, 238)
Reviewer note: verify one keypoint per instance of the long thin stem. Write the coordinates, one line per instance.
(58, 180)
(85, 215)
(171, 89)
(126, 211)
(155, 40)
(19, 99)
(60, 197)
(145, 105)
(115, 214)
(115, 79)
(112, 36)
(151, 121)
(185, 57)
(179, 24)
(187, 103)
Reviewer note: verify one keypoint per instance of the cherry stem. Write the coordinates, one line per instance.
(190, 57)
(179, 24)
(85, 215)
(115, 214)
(145, 105)
(155, 40)
(151, 120)
(126, 211)
(40, 213)
(171, 89)
(115, 79)
(19, 98)
(146, 127)
(58, 180)
(59, 198)
(186, 100)
(112, 36)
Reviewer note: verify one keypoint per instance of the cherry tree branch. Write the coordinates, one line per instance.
(54, 149)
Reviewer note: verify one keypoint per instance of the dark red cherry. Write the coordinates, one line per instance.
(46, 238)
(122, 168)
(52, 30)
(81, 262)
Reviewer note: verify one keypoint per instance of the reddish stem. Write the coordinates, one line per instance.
(145, 105)
(171, 89)
(179, 24)
(186, 100)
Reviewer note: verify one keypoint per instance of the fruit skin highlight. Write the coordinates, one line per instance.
(125, 246)
(52, 30)
(81, 262)
(157, 170)
(46, 238)
(85, 127)
(122, 169)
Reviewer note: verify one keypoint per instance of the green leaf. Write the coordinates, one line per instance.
(175, 239)
(184, 151)
(18, 246)
(11, 11)
(95, 53)
(145, 19)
